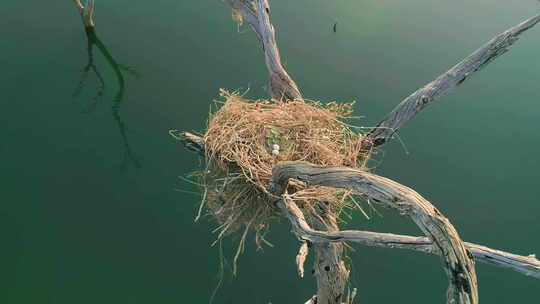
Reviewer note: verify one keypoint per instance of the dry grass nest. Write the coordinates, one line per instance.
(245, 139)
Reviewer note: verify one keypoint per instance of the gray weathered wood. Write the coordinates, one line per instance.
(456, 258)
(257, 14)
(527, 265)
(328, 265)
(418, 100)
(457, 262)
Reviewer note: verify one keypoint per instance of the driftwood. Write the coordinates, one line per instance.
(456, 261)
(257, 15)
(434, 90)
(328, 265)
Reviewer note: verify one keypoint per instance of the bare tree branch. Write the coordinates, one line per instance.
(457, 262)
(447, 81)
(191, 142)
(87, 13)
(328, 265)
(527, 265)
(257, 14)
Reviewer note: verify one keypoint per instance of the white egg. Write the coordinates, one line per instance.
(276, 147)
(275, 152)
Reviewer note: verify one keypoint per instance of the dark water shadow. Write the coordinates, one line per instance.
(116, 102)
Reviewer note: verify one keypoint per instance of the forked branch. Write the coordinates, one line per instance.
(86, 12)
(527, 265)
(257, 14)
(457, 262)
(418, 100)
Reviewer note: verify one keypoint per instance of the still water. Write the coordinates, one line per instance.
(88, 207)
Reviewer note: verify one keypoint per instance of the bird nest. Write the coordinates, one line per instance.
(245, 139)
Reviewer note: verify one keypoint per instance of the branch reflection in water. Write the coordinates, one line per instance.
(116, 102)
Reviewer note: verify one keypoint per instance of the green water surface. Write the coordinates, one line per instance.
(88, 207)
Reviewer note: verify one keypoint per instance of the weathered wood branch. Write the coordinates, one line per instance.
(328, 265)
(329, 268)
(418, 100)
(527, 265)
(191, 142)
(257, 14)
(86, 12)
(457, 262)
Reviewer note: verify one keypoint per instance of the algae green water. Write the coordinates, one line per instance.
(88, 207)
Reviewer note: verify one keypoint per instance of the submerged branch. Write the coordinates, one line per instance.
(418, 100)
(257, 14)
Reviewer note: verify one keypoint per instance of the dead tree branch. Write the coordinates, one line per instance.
(328, 265)
(86, 12)
(527, 265)
(257, 14)
(457, 262)
(457, 257)
(434, 90)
